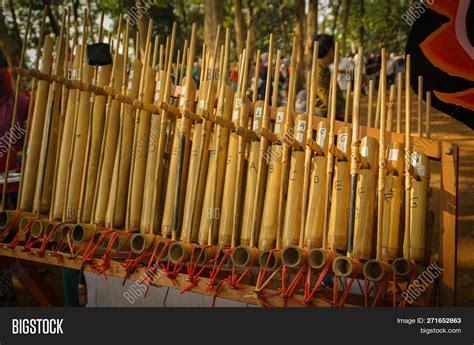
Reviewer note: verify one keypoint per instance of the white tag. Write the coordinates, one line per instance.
(415, 159)
(201, 104)
(129, 86)
(255, 124)
(343, 142)
(238, 102)
(280, 115)
(277, 128)
(158, 85)
(365, 151)
(300, 127)
(392, 154)
(236, 115)
(131, 74)
(321, 136)
(258, 112)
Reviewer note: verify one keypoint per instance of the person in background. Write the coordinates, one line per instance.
(7, 102)
(345, 73)
(391, 69)
(326, 58)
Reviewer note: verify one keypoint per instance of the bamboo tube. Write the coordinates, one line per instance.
(370, 103)
(242, 142)
(330, 155)
(345, 265)
(391, 104)
(348, 102)
(141, 138)
(159, 168)
(66, 143)
(392, 199)
(272, 157)
(117, 205)
(268, 232)
(67, 74)
(428, 115)
(199, 161)
(269, 236)
(365, 202)
(95, 142)
(408, 154)
(198, 164)
(229, 231)
(317, 191)
(253, 206)
(110, 137)
(37, 124)
(155, 131)
(51, 130)
(399, 101)
(379, 106)
(217, 165)
(375, 270)
(420, 168)
(176, 192)
(291, 255)
(79, 143)
(31, 108)
(418, 205)
(420, 104)
(338, 222)
(15, 111)
(179, 156)
(293, 204)
(212, 231)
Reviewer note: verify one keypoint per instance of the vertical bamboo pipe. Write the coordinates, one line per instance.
(141, 138)
(206, 209)
(256, 169)
(399, 101)
(269, 223)
(370, 103)
(159, 168)
(110, 137)
(96, 129)
(187, 103)
(37, 125)
(408, 186)
(117, 201)
(391, 104)
(420, 104)
(340, 195)
(345, 265)
(199, 160)
(66, 143)
(330, 159)
(348, 102)
(285, 153)
(382, 159)
(79, 143)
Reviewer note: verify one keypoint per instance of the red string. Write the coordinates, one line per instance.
(309, 295)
